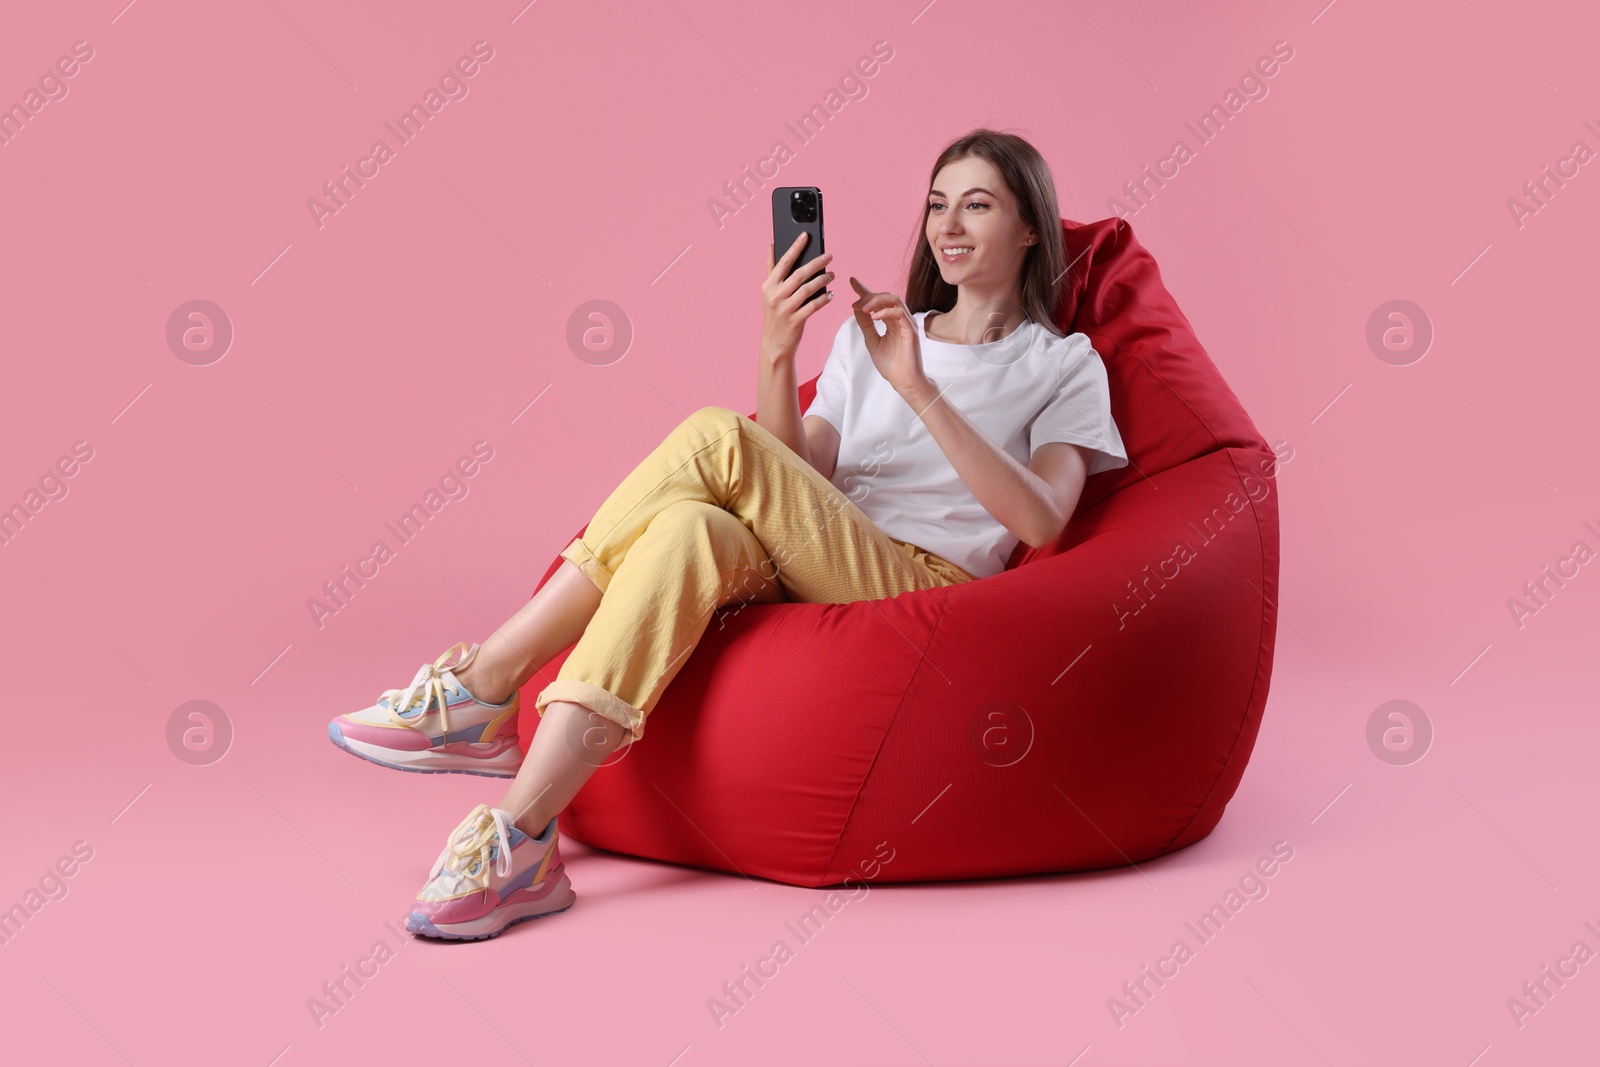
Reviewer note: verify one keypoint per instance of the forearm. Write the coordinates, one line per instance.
(778, 403)
(1019, 499)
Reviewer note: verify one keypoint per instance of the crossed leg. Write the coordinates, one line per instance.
(720, 511)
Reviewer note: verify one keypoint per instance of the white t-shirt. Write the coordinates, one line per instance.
(1027, 389)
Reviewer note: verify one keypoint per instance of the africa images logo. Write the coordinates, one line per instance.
(452, 85)
(453, 484)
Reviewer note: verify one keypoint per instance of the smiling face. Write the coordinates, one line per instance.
(973, 228)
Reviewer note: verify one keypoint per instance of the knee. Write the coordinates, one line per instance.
(703, 425)
(691, 518)
(712, 419)
(695, 529)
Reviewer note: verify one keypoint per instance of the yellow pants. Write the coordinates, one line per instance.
(720, 512)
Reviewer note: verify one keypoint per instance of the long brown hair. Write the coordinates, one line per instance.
(1028, 178)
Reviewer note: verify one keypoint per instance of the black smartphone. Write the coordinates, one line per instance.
(797, 209)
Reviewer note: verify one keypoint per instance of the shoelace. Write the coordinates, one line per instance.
(466, 856)
(427, 685)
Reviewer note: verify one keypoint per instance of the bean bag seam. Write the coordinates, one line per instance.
(1217, 445)
(1254, 685)
(855, 801)
(1216, 441)
(1136, 251)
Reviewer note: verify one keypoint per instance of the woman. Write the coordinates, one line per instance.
(928, 452)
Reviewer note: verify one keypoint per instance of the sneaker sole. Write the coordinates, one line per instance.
(491, 925)
(428, 761)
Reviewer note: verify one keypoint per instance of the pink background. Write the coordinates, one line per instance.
(431, 310)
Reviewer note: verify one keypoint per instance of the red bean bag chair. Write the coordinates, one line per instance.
(1091, 706)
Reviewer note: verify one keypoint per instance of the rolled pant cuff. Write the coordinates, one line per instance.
(578, 553)
(595, 699)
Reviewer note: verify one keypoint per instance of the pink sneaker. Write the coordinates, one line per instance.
(490, 876)
(435, 725)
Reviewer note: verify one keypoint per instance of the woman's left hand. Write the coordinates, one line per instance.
(898, 353)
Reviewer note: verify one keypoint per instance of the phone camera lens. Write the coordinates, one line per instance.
(803, 206)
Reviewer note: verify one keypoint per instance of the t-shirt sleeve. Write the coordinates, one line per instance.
(1079, 410)
(833, 384)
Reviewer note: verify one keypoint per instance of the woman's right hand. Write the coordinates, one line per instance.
(783, 299)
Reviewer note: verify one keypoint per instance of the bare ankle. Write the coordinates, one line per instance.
(487, 689)
(532, 827)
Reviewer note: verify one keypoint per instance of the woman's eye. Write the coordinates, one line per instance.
(977, 203)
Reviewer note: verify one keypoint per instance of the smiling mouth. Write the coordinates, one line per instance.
(955, 253)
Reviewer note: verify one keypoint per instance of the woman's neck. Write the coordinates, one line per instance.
(977, 319)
